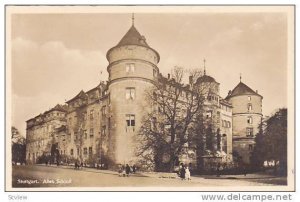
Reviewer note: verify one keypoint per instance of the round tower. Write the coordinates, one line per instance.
(132, 70)
(247, 116)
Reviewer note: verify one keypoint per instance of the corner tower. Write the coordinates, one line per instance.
(247, 116)
(132, 70)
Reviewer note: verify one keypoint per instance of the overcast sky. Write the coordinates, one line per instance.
(54, 56)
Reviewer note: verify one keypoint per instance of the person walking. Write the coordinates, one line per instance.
(127, 169)
(187, 173)
(133, 169)
(182, 172)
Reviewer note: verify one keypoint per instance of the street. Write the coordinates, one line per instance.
(50, 176)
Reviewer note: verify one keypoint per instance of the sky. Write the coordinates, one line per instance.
(54, 56)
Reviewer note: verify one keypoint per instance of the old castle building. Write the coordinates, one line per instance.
(100, 125)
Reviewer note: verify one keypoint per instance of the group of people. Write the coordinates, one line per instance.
(126, 170)
(78, 165)
(184, 172)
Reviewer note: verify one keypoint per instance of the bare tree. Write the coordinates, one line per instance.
(171, 124)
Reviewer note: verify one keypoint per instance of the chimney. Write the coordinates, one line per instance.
(168, 76)
(190, 80)
(229, 92)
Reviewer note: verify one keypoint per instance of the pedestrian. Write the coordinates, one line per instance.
(76, 165)
(120, 171)
(182, 172)
(187, 173)
(245, 170)
(133, 169)
(127, 169)
(218, 170)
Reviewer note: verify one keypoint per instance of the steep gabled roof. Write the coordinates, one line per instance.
(241, 89)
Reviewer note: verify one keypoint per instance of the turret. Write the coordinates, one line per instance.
(132, 70)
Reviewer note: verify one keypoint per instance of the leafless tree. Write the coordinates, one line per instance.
(172, 123)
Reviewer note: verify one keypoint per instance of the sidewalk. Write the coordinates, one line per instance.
(86, 169)
(168, 175)
(248, 176)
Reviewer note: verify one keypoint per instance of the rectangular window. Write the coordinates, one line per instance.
(85, 134)
(85, 151)
(249, 132)
(103, 110)
(90, 151)
(72, 152)
(249, 98)
(130, 67)
(249, 107)
(154, 73)
(103, 131)
(249, 120)
(130, 119)
(77, 151)
(130, 93)
(92, 132)
(250, 147)
(92, 114)
(75, 135)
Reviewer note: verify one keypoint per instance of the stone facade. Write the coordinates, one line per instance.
(100, 125)
(247, 116)
(41, 130)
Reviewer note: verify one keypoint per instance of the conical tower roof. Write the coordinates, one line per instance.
(133, 37)
(241, 89)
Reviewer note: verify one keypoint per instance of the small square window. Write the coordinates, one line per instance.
(249, 132)
(130, 119)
